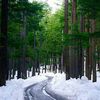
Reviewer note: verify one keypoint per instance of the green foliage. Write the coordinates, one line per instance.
(77, 39)
(95, 35)
(18, 11)
(53, 27)
(31, 53)
(44, 35)
(75, 28)
(14, 40)
(89, 7)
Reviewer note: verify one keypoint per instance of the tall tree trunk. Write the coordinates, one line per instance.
(66, 17)
(19, 69)
(74, 18)
(50, 63)
(23, 48)
(94, 60)
(73, 53)
(3, 43)
(66, 49)
(81, 51)
(60, 64)
(88, 52)
(45, 67)
(93, 51)
(9, 77)
(33, 70)
(98, 56)
(53, 62)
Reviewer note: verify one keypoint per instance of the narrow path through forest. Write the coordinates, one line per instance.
(37, 91)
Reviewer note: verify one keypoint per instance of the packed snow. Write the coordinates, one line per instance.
(72, 89)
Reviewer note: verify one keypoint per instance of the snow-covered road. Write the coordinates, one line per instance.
(58, 88)
(37, 91)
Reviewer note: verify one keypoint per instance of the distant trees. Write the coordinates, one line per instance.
(53, 43)
(26, 17)
(79, 44)
(69, 38)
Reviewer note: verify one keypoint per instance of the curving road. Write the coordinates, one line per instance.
(37, 91)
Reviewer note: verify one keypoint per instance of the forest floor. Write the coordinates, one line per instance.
(73, 89)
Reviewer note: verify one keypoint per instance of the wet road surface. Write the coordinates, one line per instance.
(37, 91)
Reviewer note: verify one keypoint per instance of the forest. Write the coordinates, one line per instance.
(32, 37)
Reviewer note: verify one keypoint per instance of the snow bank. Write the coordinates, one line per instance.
(51, 74)
(76, 89)
(73, 89)
(14, 89)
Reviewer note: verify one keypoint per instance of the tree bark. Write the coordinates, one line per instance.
(73, 53)
(3, 43)
(66, 48)
(94, 60)
(33, 70)
(81, 51)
